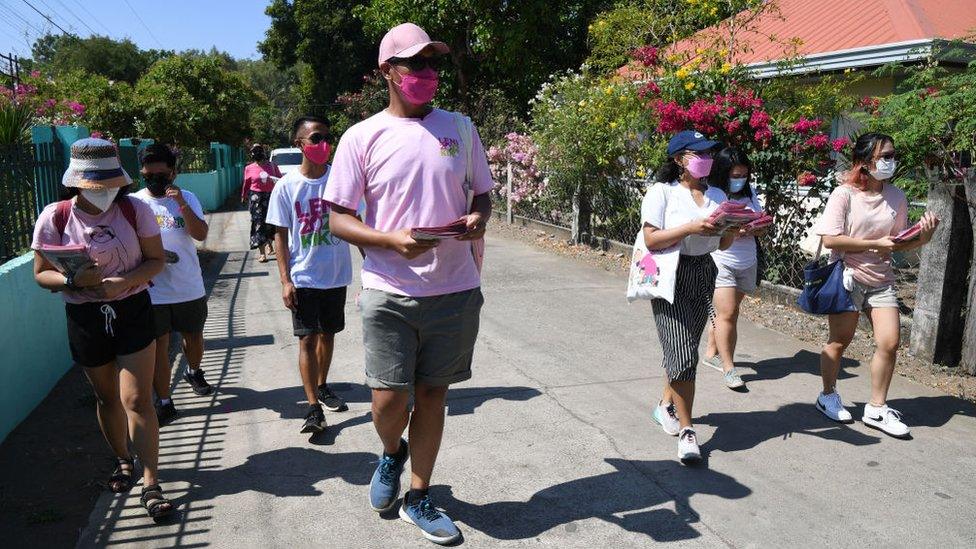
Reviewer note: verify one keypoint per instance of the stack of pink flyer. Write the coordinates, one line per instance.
(732, 214)
(69, 260)
(451, 230)
(909, 234)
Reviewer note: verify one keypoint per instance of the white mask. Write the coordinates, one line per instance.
(884, 169)
(101, 199)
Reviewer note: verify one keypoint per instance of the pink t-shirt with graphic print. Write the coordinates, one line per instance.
(110, 238)
(869, 216)
(410, 172)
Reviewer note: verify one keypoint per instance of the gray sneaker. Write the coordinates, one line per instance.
(714, 362)
(733, 380)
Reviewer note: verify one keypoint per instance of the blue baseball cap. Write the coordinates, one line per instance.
(689, 140)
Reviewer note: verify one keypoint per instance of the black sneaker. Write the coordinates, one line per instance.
(195, 378)
(165, 413)
(314, 420)
(330, 401)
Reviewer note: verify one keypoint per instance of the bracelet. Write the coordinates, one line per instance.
(69, 283)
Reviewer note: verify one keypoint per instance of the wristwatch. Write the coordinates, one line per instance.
(69, 282)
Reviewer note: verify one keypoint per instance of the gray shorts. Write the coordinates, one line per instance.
(743, 280)
(425, 340)
(868, 297)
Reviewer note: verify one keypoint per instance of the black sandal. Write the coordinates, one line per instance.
(156, 505)
(121, 480)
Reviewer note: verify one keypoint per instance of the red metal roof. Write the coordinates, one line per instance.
(824, 26)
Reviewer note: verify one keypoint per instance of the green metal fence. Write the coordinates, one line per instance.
(20, 198)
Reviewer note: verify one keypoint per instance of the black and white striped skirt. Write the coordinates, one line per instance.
(680, 324)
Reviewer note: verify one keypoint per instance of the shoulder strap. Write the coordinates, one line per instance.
(465, 130)
(129, 213)
(61, 215)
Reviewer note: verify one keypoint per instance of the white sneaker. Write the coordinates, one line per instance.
(667, 418)
(688, 451)
(886, 419)
(832, 407)
(713, 362)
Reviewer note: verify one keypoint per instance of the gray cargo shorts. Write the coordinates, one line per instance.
(425, 340)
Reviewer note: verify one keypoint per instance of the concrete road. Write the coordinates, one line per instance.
(551, 443)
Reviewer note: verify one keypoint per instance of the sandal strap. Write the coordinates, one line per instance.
(152, 498)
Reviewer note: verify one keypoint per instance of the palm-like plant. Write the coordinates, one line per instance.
(15, 123)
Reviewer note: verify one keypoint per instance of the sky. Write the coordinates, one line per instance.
(234, 26)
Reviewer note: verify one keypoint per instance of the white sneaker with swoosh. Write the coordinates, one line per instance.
(886, 419)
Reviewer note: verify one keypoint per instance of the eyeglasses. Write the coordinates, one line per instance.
(315, 138)
(417, 63)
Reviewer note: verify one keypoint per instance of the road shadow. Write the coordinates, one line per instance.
(929, 411)
(625, 497)
(286, 472)
(736, 431)
(289, 402)
(802, 362)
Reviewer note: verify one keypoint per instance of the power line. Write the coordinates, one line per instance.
(59, 13)
(22, 33)
(108, 32)
(65, 8)
(49, 20)
(144, 25)
(21, 17)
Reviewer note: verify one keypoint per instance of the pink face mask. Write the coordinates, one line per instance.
(419, 88)
(699, 166)
(318, 153)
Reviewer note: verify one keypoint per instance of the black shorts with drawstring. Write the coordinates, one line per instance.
(100, 331)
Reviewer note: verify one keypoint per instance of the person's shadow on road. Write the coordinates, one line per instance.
(802, 362)
(626, 497)
(735, 431)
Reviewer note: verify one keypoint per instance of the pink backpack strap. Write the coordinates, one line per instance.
(129, 213)
(61, 215)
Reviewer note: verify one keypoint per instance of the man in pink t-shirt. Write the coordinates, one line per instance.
(421, 301)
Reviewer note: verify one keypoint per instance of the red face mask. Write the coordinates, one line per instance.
(318, 153)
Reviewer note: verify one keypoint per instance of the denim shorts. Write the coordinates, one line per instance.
(419, 340)
(743, 280)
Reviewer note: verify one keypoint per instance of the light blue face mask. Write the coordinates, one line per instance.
(737, 183)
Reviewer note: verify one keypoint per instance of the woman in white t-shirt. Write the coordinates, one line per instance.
(674, 212)
(738, 267)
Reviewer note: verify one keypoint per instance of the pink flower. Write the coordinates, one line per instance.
(818, 141)
(35, 74)
(732, 126)
(651, 88)
(838, 144)
(807, 179)
(97, 135)
(672, 118)
(763, 135)
(804, 125)
(759, 120)
(646, 55)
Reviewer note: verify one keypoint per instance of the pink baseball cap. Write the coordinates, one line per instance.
(407, 40)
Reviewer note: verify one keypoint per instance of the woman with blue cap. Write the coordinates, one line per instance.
(675, 212)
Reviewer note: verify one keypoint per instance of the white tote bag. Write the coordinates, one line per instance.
(466, 132)
(652, 273)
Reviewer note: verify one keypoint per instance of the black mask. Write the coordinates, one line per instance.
(157, 183)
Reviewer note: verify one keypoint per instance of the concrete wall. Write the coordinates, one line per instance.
(34, 339)
(206, 186)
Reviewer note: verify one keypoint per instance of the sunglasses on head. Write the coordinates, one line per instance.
(416, 63)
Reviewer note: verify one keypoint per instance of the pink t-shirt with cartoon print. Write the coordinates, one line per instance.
(869, 216)
(110, 238)
(410, 172)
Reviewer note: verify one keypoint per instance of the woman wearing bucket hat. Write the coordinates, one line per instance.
(675, 213)
(260, 177)
(109, 314)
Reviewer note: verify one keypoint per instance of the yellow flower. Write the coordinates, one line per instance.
(590, 28)
(681, 73)
(601, 23)
(726, 67)
(714, 11)
(582, 103)
(608, 90)
(723, 52)
(699, 51)
(689, 86)
(848, 70)
(641, 173)
(613, 125)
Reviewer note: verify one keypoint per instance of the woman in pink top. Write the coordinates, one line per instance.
(858, 225)
(260, 177)
(111, 330)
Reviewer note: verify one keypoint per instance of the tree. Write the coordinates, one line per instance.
(193, 101)
(103, 105)
(118, 60)
(272, 121)
(511, 46)
(629, 25)
(324, 42)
